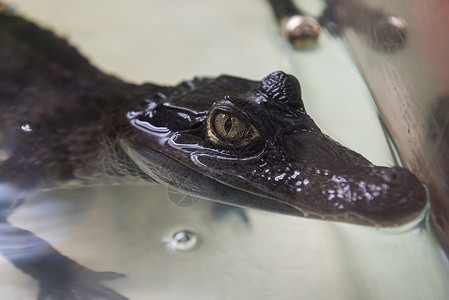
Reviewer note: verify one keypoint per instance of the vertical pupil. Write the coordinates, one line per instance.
(228, 124)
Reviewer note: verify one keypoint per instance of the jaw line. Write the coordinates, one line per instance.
(167, 171)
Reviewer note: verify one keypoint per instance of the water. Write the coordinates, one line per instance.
(132, 230)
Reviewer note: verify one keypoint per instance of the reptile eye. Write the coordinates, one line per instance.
(228, 128)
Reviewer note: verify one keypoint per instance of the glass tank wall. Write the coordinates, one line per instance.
(176, 247)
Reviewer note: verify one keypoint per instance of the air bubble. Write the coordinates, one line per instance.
(183, 240)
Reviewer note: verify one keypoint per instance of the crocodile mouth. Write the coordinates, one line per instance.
(368, 195)
(381, 208)
(168, 171)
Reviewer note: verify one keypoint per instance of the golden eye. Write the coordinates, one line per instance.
(227, 128)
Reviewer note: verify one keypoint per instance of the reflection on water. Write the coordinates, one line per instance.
(173, 247)
(130, 230)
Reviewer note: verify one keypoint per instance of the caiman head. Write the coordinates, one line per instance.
(252, 144)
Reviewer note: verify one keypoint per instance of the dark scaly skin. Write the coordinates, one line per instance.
(89, 127)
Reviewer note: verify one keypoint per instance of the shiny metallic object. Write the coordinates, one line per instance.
(380, 30)
(299, 30)
(389, 33)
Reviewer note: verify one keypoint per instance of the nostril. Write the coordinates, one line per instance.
(393, 176)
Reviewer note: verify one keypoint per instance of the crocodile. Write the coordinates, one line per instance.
(241, 142)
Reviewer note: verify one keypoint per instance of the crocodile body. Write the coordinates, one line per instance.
(227, 139)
